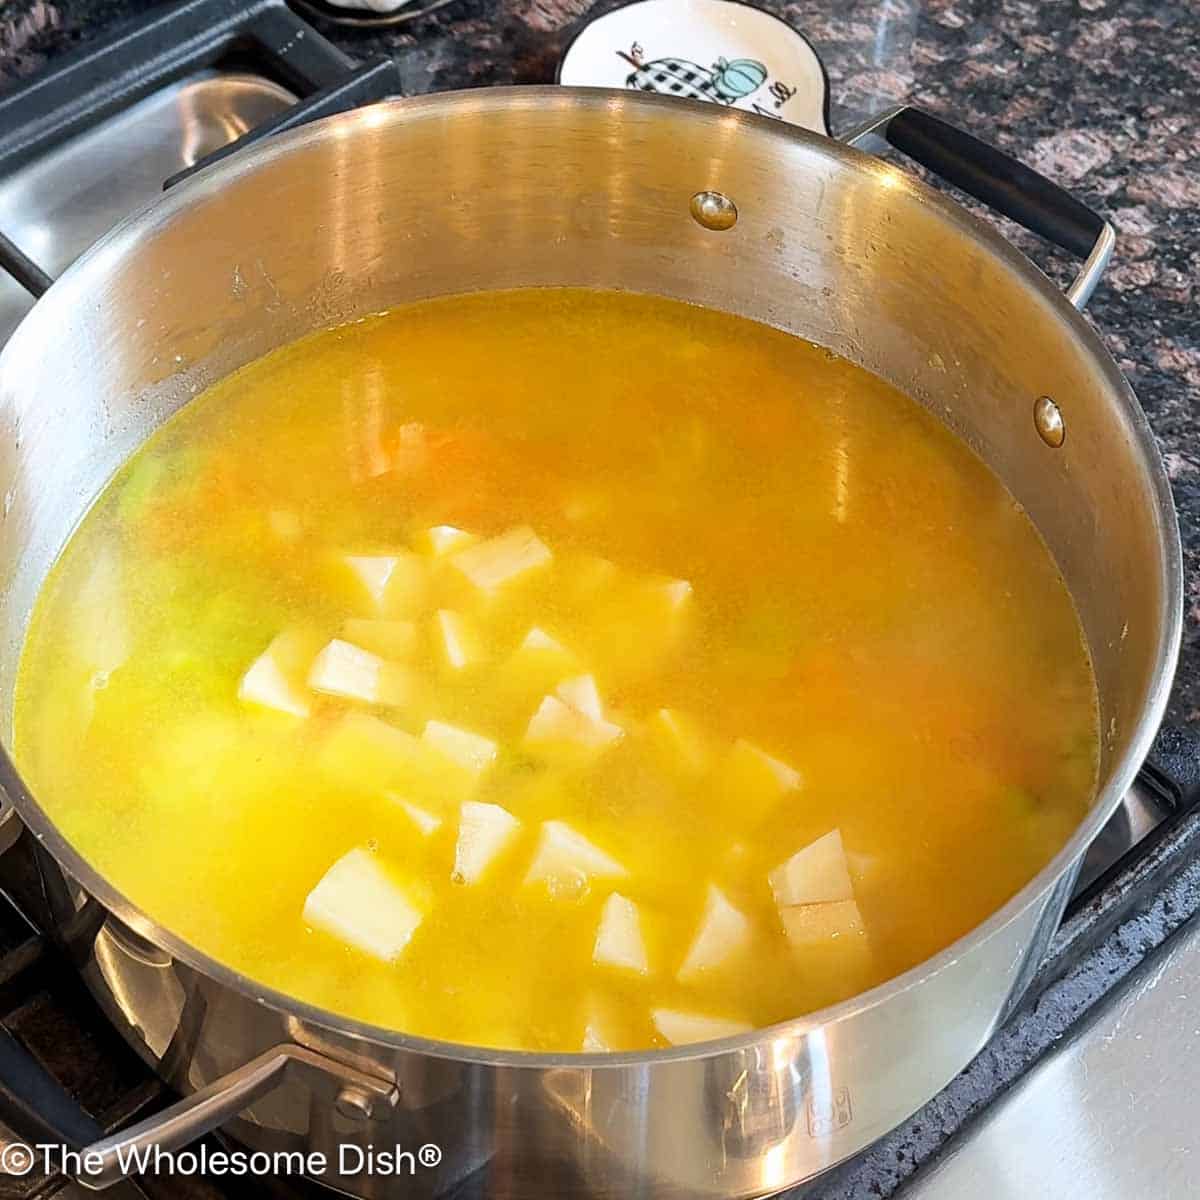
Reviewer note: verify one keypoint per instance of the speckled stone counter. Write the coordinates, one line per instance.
(1101, 95)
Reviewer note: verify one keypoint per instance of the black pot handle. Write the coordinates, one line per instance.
(999, 181)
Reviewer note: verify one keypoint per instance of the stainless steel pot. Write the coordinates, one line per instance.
(524, 187)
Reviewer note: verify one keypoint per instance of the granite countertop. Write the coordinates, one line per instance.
(1098, 94)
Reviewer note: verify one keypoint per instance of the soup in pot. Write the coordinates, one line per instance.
(559, 670)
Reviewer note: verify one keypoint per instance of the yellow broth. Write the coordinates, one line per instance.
(850, 625)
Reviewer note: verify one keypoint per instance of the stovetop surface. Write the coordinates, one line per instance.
(1095, 96)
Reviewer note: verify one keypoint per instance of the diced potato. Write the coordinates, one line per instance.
(352, 673)
(683, 1028)
(816, 874)
(372, 739)
(787, 779)
(389, 639)
(471, 751)
(723, 934)
(391, 585)
(598, 1037)
(364, 752)
(558, 730)
(457, 642)
(594, 1041)
(808, 925)
(583, 579)
(427, 823)
(343, 669)
(649, 614)
(265, 684)
(358, 903)
(408, 588)
(565, 860)
(538, 641)
(274, 679)
(582, 695)
(832, 946)
(679, 742)
(635, 625)
(484, 832)
(619, 940)
(754, 781)
(534, 668)
(373, 572)
(502, 560)
(441, 540)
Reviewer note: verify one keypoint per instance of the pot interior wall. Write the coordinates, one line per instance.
(490, 190)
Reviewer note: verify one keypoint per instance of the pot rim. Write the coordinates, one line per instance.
(444, 106)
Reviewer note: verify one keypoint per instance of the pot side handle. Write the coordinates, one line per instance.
(41, 1109)
(999, 181)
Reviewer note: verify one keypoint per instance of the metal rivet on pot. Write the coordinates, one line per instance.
(1048, 421)
(714, 211)
(354, 1103)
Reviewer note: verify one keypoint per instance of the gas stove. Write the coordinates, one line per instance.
(1055, 1094)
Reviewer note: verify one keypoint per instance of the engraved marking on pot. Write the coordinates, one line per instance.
(828, 1114)
(1048, 421)
(714, 211)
